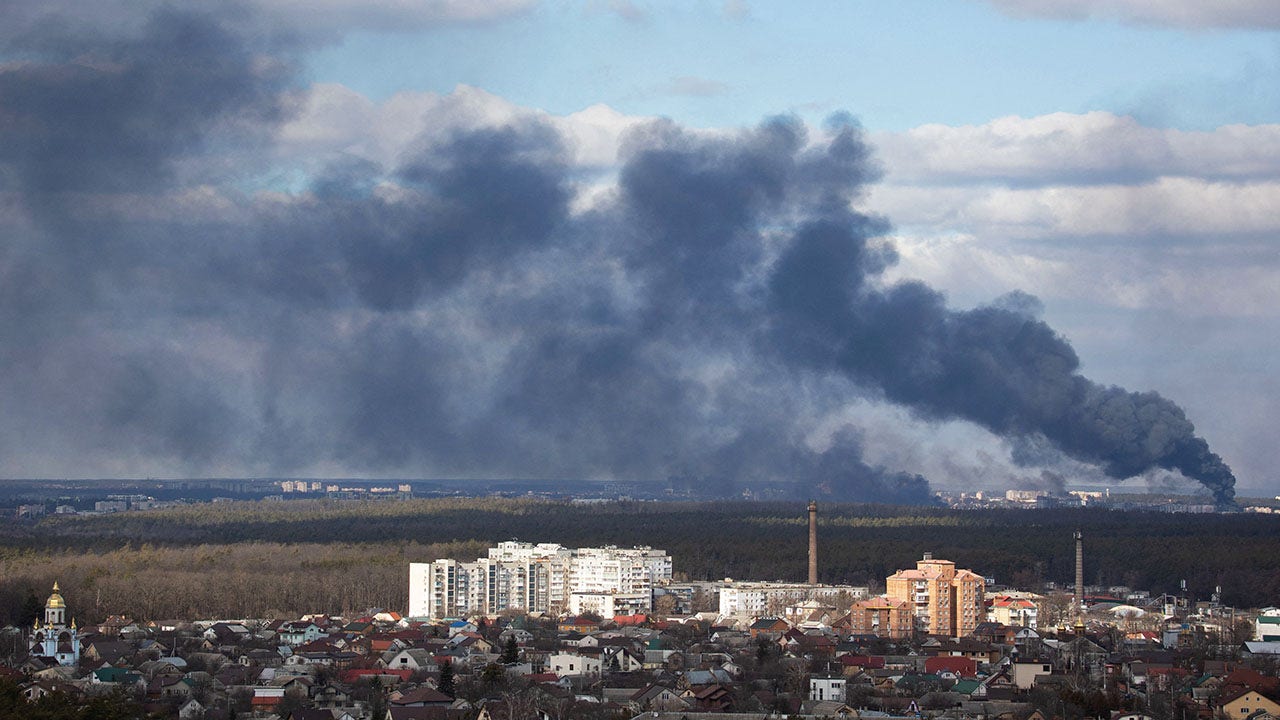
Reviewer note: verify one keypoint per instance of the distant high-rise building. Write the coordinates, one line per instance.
(946, 600)
(536, 578)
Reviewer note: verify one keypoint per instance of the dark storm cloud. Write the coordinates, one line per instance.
(162, 408)
(95, 128)
(450, 315)
(83, 114)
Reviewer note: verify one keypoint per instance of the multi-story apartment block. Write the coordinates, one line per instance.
(946, 600)
(442, 588)
(535, 578)
(755, 599)
(618, 570)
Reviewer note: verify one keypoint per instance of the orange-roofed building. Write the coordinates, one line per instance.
(1013, 610)
(945, 600)
(882, 616)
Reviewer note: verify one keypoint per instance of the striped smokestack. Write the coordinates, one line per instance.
(813, 542)
(1079, 598)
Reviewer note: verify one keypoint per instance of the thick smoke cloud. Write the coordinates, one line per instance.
(456, 315)
(997, 366)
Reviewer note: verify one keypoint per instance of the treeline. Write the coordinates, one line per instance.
(244, 579)
(263, 558)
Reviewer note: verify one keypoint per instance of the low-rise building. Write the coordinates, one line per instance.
(882, 616)
(1266, 627)
(1246, 702)
(753, 599)
(1025, 672)
(822, 688)
(1015, 610)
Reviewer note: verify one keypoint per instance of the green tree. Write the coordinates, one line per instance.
(32, 609)
(377, 699)
(764, 650)
(288, 704)
(510, 652)
(447, 685)
(12, 704)
(493, 674)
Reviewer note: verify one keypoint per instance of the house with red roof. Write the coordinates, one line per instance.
(419, 697)
(961, 667)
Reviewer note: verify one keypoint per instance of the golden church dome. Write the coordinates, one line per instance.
(55, 600)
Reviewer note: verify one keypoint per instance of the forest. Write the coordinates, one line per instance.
(275, 559)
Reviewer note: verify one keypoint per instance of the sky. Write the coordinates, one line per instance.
(866, 248)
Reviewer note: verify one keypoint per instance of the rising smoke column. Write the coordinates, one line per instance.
(454, 314)
(997, 366)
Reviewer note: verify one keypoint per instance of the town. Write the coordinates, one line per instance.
(547, 632)
(639, 360)
(35, 499)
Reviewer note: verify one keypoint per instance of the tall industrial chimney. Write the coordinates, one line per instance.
(813, 542)
(1079, 598)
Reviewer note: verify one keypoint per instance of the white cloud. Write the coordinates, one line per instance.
(1167, 208)
(1176, 13)
(1192, 281)
(1076, 148)
(595, 133)
(332, 119)
(1093, 209)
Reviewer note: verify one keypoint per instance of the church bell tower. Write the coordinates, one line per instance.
(55, 639)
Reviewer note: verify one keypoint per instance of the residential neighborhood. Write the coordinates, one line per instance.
(937, 643)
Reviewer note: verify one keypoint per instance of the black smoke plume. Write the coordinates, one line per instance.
(456, 314)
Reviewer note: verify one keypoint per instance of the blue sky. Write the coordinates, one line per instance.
(895, 65)
(227, 255)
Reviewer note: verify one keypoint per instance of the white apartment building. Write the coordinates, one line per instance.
(609, 604)
(618, 570)
(547, 564)
(443, 588)
(757, 599)
(536, 578)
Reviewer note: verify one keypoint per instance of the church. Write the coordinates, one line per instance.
(55, 640)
